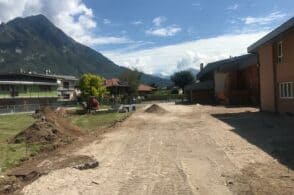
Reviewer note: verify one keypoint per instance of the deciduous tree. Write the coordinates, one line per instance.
(182, 79)
(92, 85)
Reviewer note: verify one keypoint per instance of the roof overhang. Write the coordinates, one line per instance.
(205, 85)
(230, 64)
(26, 83)
(272, 36)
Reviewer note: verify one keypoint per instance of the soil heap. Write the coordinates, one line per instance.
(50, 128)
(155, 109)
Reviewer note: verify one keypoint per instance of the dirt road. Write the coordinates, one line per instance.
(185, 151)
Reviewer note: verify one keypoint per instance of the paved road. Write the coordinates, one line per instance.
(180, 152)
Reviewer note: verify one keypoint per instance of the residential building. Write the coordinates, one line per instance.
(144, 90)
(232, 81)
(200, 92)
(26, 89)
(117, 87)
(276, 61)
(120, 88)
(67, 87)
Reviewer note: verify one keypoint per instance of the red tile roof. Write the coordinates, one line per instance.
(145, 88)
(115, 82)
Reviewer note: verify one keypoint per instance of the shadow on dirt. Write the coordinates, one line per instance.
(273, 134)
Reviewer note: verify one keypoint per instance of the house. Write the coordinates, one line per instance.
(67, 87)
(200, 92)
(19, 89)
(232, 81)
(117, 87)
(144, 90)
(276, 61)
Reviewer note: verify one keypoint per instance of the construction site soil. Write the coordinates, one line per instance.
(154, 108)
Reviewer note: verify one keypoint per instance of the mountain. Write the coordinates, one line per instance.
(162, 76)
(192, 70)
(35, 44)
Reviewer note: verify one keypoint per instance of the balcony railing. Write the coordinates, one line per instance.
(29, 95)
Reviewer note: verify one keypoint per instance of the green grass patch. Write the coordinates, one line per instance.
(11, 154)
(91, 122)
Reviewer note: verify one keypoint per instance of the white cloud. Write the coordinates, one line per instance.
(168, 59)
(161, 31)
(88, 40)
(158, 21)
(164, 32)
(106, 21)
(72, 16)
(233, 7)
(264, 20)
(137, 23)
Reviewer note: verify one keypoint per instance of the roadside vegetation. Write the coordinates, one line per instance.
(11, 154)
(93, 122)
(10, 125)
(164, 95)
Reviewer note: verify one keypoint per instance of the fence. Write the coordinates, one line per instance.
(5, 109)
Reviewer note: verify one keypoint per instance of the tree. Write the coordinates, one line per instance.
(132, 77)
(182, 79)
(92, 85)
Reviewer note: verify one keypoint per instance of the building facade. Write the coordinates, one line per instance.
(144, 90)
(233, 81)
(117, 87)
(276, 61)
(26, 92)
(67, 87)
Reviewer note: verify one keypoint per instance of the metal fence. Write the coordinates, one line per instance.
(6, 109)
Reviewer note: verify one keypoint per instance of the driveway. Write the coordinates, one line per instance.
(187, 150)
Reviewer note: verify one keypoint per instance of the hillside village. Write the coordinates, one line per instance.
(107, 129)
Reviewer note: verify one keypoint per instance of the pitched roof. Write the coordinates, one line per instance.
(28, 77)
(284, 28)
(205, 85)
(65, 77)
(115, 82)
(145, 88)
(230, 64)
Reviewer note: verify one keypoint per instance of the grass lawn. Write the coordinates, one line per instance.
(10, 125)
(91, 122)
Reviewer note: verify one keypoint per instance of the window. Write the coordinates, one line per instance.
(280, 52)
(4, 87)
(65, 85)
(286, 90)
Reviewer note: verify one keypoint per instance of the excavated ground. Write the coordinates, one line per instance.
(188, 150)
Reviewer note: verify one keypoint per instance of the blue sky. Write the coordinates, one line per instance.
(159, 36)
(196, 19)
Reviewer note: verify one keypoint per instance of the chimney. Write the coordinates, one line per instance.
(201, 66)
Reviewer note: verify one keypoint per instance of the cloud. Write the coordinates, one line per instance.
(106, 21)
(137, 23)
(233, 7)
(164, 32)
(88, 40)
(168, 59)
(72, 16)
(264, 20)
(161, 31)
(158, 21)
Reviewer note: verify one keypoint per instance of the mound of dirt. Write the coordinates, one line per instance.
(41, 132)
(49, 128)
(155, 109)
(63, 125)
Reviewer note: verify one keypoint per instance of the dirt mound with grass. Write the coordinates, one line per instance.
(50, 128)
(155, 109)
